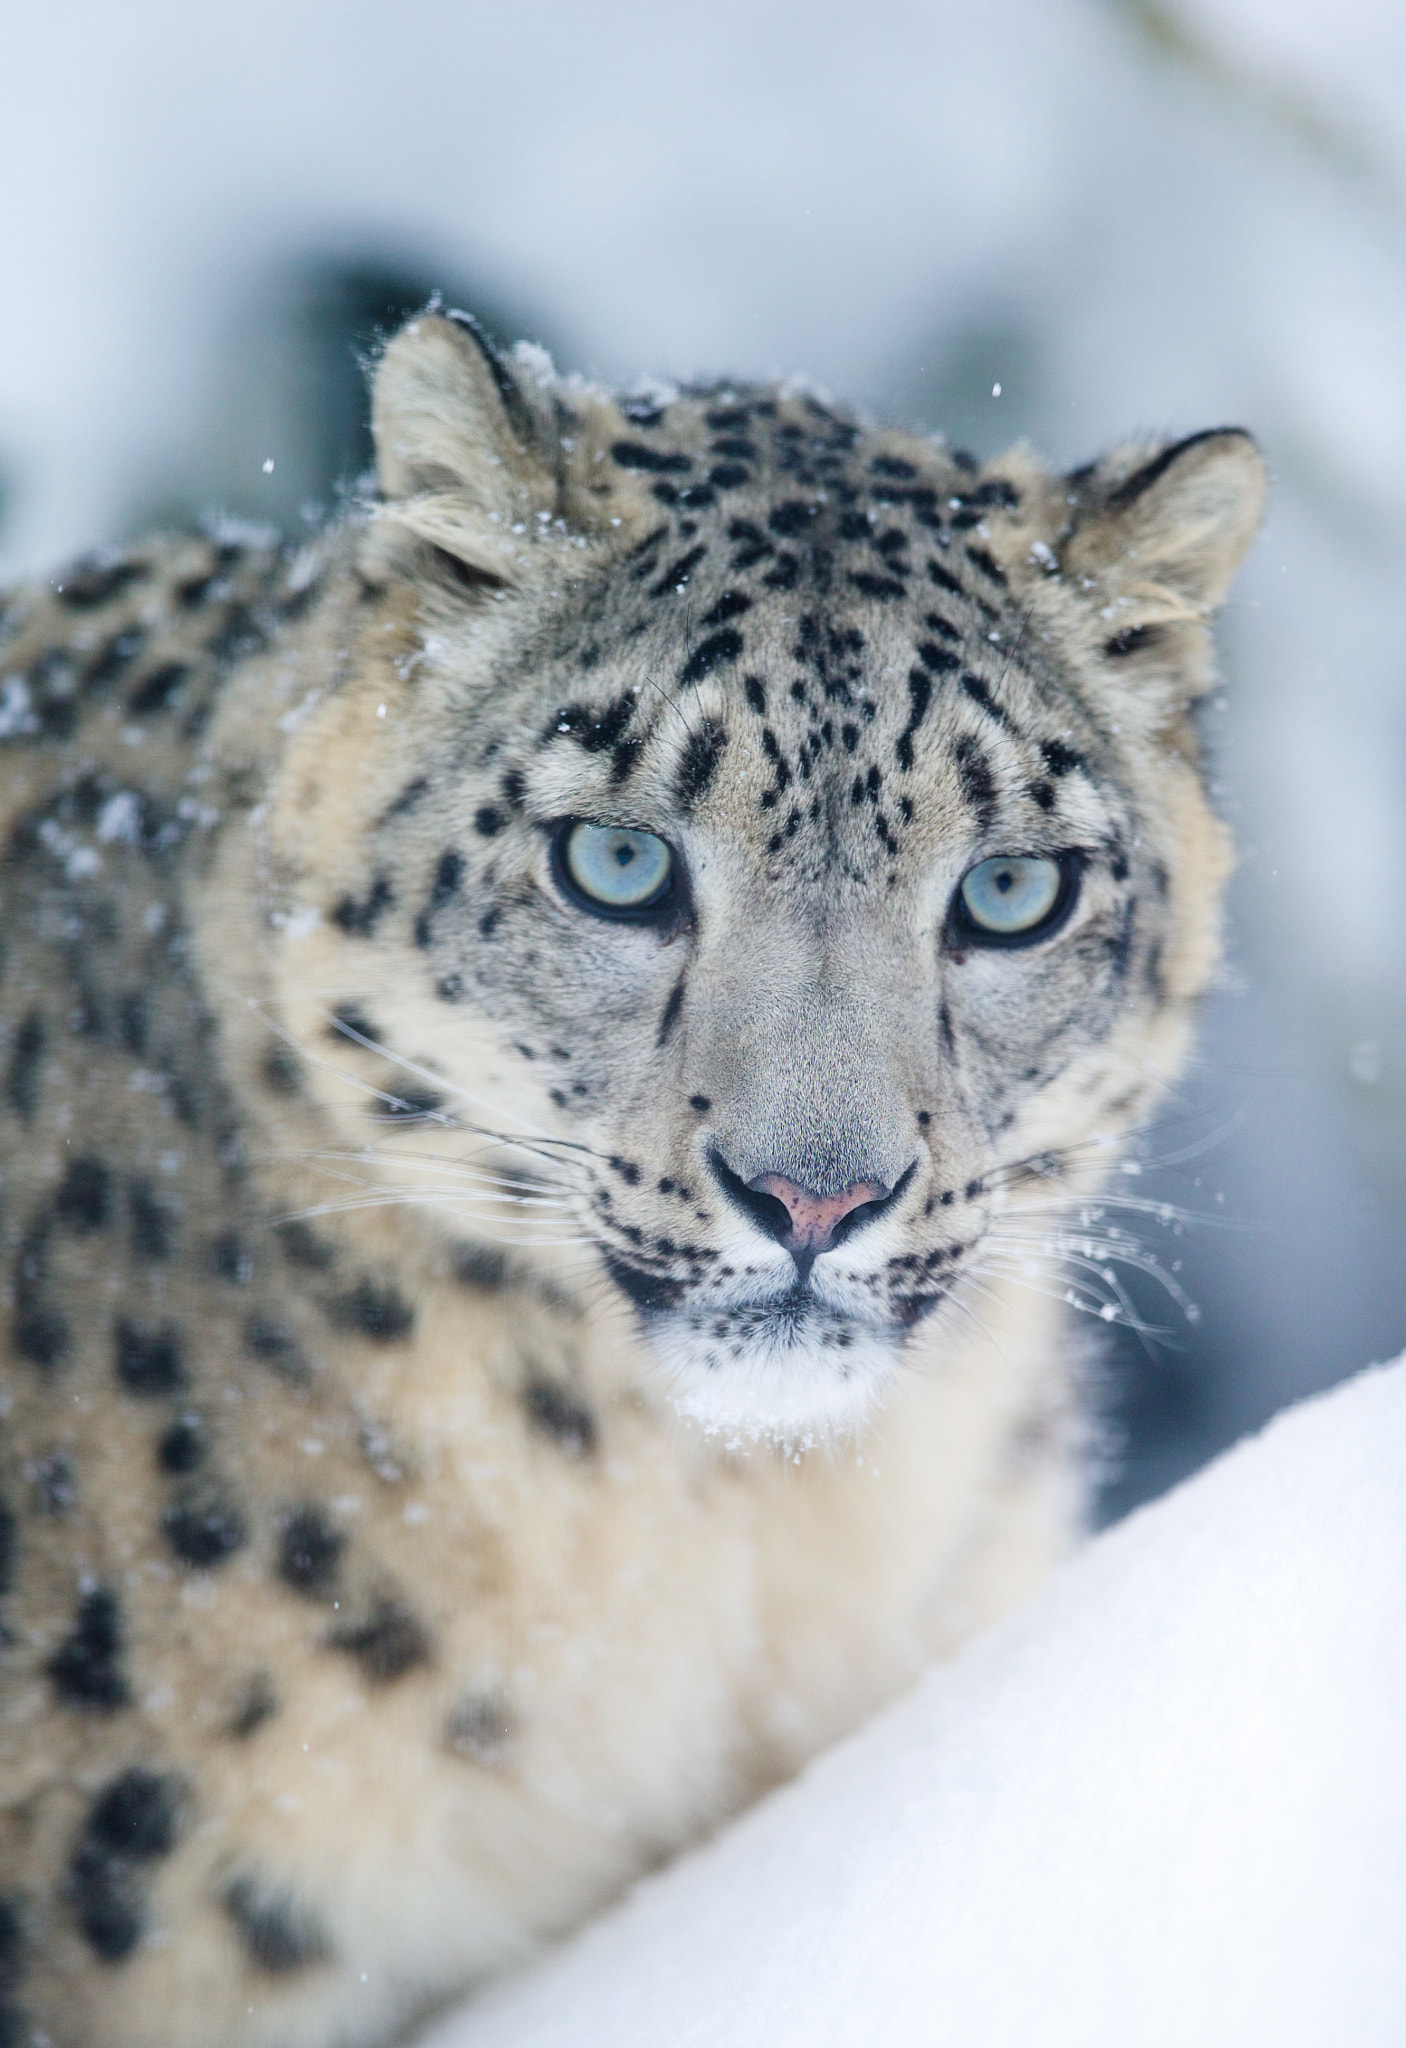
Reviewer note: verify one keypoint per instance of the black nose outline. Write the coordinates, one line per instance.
(773, 1217)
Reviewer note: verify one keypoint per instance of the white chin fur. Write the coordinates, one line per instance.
(780, 1390)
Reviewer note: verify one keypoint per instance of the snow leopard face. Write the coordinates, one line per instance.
(789, 840)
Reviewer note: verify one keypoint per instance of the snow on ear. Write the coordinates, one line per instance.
(1152, 539)
(464, 444)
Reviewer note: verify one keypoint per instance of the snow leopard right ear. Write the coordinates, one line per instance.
(465, 445)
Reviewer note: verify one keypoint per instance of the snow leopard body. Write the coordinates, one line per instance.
(434, 1489)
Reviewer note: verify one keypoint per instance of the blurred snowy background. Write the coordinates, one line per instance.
(1126, 213)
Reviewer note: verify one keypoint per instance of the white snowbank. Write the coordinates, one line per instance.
(1166, 1804)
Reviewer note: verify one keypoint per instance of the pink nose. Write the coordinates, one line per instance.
(815, 1218)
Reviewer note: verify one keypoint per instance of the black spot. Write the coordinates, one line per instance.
(276, 1346)
(411, 1103)
(22, 1080)
(153, 1223)
(369, 1310)
(38, 1332)
(204, 1527)
(448, 875)
(302, 1247)
(949, 1040)
(718, 648)
(553, 1410)
(974, 688)
(978, 783)
(699, 762)
(793, 517)
(1121, 942)
(752, 544)
(678, 573)
(84, 1199)
(156, 689)
(359, 920)
(258, 1705)
(136, 1815)
(481, 1265)
(648, 546)
(1043, 795)
(310, 1551)
(278, 1934)
(983, 559)
(648, 1291)
(700, 1103)
(450, 987)
(892, 465)
(634, 455)
(134, 1820)
(876, 586)
(387, 1644)
(407, 800)
(349, 1020)
(919, 698)
(86, 1669)
(945, 580)
(132, 1023)
(183, 1447)
(730, 605)
(1059, 759)
(14, 2028)
(939, 659)
(785, 576)
(89, 584)
(596, 731)
(281, 1072)
(149, 1362)
(55, 1483)
(756, 693)
(9, 1546)
(670, 1016)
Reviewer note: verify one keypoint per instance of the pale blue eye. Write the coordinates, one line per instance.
(1012, 893)
(617, 868)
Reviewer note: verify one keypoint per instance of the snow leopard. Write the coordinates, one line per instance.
(550, 1037)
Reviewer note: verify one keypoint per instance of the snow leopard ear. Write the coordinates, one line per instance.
(1179, 517)
(464, 445)
(1150, 540)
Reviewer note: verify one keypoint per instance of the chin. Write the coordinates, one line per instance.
(796, 1377)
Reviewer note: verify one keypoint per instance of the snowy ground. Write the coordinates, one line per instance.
(1166, 1805)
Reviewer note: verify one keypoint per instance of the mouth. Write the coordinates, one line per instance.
(789, 1365)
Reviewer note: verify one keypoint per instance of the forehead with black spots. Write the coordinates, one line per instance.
(811, 624)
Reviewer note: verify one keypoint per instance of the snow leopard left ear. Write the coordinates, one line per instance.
(1146, 542)
(1178, 518)
(465, 445)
